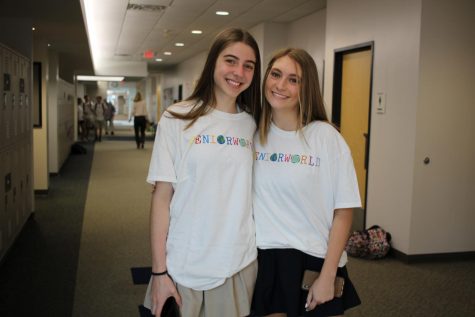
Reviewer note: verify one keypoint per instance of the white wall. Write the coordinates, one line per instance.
(308, 33)
(443, 216)
(394, 26)
(186, 74)
(40, 135)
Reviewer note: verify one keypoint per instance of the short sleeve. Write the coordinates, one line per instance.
(345, 184)
(162, 163)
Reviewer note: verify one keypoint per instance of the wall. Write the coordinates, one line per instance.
(394, 26)
(308, 33)
(444, 189)
(40, 134)
(186, 74)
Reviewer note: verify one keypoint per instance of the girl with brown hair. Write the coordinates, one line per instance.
(304, 190)
(202, 230)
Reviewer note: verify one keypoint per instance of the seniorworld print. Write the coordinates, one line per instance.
(221, 139)
(288, 158)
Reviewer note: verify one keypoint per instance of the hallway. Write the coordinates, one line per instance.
(76, 252)
(74, 256)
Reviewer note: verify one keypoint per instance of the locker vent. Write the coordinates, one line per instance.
(145, 7)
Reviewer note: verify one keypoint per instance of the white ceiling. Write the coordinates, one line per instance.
(121, 35)
(118, 37)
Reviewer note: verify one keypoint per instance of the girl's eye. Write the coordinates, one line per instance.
(249, 66)
(230, 61)
(275, 75)
(293, 80)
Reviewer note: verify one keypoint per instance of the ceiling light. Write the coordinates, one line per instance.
(167, 53)
(99, 78)
(49, 45)
(179, 44)
(158, 59)
(33, 28)
(196, 32)
(222, 12)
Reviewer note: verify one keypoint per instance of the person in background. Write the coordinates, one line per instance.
(140, 114)
(82, 130)
(305, 189)
(202, 230)
(89, 116)
(109, 117)
(99, 112)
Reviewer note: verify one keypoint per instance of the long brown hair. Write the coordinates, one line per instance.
(311, 107)
(138, 96)
(203, 95)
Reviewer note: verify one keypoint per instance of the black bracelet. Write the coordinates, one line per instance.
(160, 273)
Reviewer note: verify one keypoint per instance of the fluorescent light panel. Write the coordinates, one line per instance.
(99, 78)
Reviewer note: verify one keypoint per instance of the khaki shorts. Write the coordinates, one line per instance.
(232, 299)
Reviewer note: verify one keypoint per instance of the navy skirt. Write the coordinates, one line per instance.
(278, 285)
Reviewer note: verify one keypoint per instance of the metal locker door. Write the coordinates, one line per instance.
(8, 201)
(3, 222)
(15, 95)
(20, 186)
(7, 95)
(16, 168)
(2, 111)
(28, 176)
(21, 97)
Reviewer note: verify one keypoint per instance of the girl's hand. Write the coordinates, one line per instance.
(162, 288)
(322, 291)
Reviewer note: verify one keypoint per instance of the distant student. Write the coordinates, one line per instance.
(305, 188)
(140, 114)
(99, 112)
(109, 117)
(82, 130)
(89, 116)
(202, 230)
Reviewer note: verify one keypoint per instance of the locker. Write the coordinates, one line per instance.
(29, 175)
(15, 95)
(2, 192)
(15, 170)
(2, 110)
(16, 161)
(8, 201)
(7, 94)
(21, 97)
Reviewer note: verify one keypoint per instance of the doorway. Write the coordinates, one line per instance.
(351, 112)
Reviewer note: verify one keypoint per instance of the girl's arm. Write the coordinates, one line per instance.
(323, 288)
(162, 285)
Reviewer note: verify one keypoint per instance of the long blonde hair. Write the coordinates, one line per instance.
(311, 107)
(138, 96)
(203, 95)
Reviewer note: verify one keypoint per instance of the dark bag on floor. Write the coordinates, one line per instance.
(77, 148)
(372, 243)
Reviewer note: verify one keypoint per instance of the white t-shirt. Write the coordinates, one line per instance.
(212, 233)
(298, 183)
